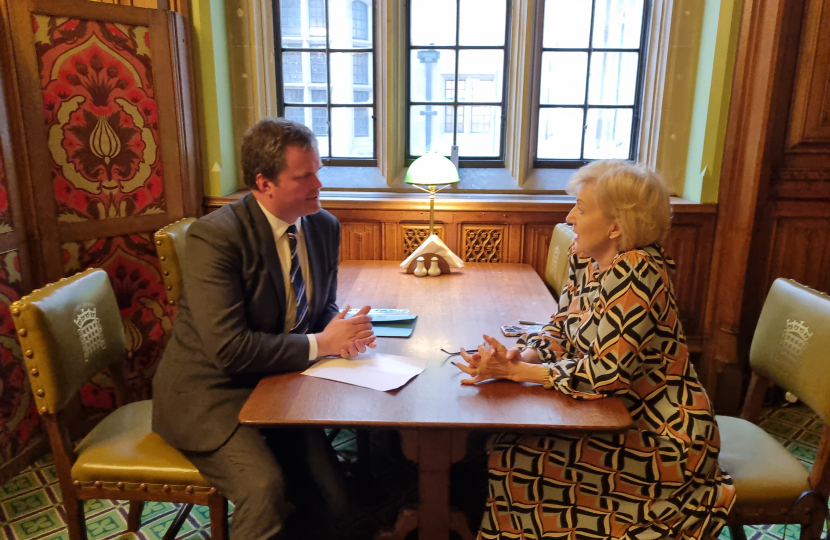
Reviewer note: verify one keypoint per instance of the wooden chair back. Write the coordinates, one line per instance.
(556, 269)
(170, 243)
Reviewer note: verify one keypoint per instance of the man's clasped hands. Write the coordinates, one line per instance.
(347, 337)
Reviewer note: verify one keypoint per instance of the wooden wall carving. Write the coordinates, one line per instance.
(507, 231)
(413, 235)
(484, 243)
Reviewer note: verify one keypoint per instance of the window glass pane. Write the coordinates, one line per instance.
(361, 122)
(318, 96)
(567, 24)
(426, 130)
(360, 20)
(449, 89)
(362, 96)
(560, 133)
(482, 22)
(618, 24)
(448, 118)
(350, 72)
(350, 24)
(297, 114)
(316, 119)
(292, 67)
(290, 17)
(316, 18)
(429, 69)
(317, 63)
(352, 132)
(608, 133)
(319, 121)
(360, 68)
(558, 67)
(483, 139)
(294, 95)
(432, 22)
(613, 79)
(483, 72)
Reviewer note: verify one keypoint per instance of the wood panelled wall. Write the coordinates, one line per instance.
(792, 233)
(505, 229)
(776, 179)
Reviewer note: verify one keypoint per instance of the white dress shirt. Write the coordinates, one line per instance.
(278, 227)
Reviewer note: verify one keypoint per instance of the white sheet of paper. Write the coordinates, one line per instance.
(373, 370)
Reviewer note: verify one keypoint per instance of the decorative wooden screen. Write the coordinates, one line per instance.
(19, 423)
(113, 154)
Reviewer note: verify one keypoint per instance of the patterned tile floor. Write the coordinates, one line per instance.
(30, 503)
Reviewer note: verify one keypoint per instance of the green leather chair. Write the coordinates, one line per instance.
(556, 269)
(70, 331)
(170, 241)
(790, 348)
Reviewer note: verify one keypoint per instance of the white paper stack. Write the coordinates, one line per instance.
(373, 370)
(433, 244)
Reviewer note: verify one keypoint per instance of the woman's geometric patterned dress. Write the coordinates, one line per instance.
(617, 333)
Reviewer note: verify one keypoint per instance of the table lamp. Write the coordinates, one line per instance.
(433, 172)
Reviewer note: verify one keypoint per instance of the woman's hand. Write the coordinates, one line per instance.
(492, 361)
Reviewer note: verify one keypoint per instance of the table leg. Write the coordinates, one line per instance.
(434, 451)
(434, 460)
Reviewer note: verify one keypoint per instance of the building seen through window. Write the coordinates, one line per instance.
(326, 50)
(457, 44)
(590, 80)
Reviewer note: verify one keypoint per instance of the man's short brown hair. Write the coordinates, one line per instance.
(264, 146)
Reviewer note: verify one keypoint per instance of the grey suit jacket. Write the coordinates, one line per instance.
(229, 331)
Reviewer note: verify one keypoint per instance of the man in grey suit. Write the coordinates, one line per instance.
(259, 291)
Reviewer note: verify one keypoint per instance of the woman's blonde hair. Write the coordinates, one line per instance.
(633, 195)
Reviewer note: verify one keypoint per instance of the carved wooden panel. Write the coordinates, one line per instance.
(536, 243)
(484, 243)
(809, 129)
(360, 241)
(413, 234)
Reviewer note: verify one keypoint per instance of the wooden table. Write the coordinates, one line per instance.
(434, 412)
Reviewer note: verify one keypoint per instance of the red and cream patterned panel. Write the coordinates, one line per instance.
(101, 119)
(133, 268)
(18, 415)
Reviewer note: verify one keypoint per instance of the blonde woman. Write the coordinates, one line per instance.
(617, 333)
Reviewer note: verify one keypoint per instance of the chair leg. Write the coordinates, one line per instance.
(75, 520)
(737, 532)
(134, 516)
(812, 530)
(218, 507)
(178, 521)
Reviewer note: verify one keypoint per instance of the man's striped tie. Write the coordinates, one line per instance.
(302, 320)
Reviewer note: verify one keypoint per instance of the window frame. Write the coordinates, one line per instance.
(639, 94)
(327, 50)
(463, 161)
